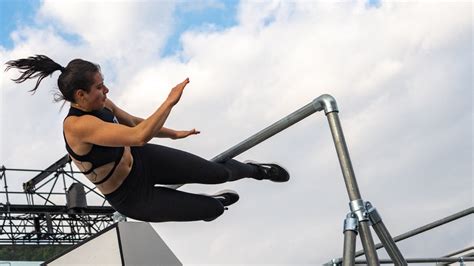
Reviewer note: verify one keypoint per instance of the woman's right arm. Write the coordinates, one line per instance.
(92, 130)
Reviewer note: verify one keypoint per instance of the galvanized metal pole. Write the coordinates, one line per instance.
(270, 131)
(351, 185)
(348, 257)
(460, 260)
(328, 104)
(459, 252)
(4, 176)
(315, 106)
(425, 228)
(388, 243)
(343, 156)
(350, 234)
(368, 243)
(384, 235)
(471, 254)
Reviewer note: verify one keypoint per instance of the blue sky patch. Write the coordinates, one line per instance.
(188, 18)
(13, 14)
(215, 15)
(374, 3)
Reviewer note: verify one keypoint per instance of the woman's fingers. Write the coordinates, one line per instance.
(194, 131)
(186, 133)
(177, 91)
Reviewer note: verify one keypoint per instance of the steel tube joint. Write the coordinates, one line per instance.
(351, 223)
(327, 102)
(373, 214)
(358, 208)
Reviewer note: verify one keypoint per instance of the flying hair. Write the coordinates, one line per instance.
(38, 66)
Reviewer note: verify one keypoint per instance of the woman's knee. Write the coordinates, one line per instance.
(220, 174)
(216, 209)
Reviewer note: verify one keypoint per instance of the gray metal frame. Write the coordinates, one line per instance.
(427, 227)
(45, 216)
(358, 206)
(362, 214)
(460, 260)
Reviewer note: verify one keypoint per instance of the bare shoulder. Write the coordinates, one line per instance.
(70, 128)
(77, 124)
(90, 129)
(69, 122)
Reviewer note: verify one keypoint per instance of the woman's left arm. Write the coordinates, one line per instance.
(127, 119)
(176, 134)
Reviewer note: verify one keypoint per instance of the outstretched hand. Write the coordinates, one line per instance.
(177, 91)
(186, 133)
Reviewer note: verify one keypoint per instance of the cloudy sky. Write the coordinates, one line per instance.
(401, 73)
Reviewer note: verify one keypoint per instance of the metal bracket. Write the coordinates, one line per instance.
(351, 223)
(358, 208)
(373, 214)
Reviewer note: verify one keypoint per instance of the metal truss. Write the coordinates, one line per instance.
(47, 212)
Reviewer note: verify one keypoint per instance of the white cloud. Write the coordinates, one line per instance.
(114, 29)
(401, 73)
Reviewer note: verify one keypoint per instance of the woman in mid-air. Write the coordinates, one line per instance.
(111, 148)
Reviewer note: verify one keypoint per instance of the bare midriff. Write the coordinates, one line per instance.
(118, 176)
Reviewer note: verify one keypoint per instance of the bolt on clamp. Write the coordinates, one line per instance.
(373, 214)
(351, 222)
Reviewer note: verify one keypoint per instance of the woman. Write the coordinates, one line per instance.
(111, 148)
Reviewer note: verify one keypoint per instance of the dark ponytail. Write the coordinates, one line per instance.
(39, 66)
(78, 74)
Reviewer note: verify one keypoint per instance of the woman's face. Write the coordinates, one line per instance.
(97, 94)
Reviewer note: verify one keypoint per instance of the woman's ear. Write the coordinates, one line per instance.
(79, 94)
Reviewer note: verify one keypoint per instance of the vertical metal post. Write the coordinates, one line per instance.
(350, 234)
(368, 244)
(343, 156)
(6, 186)
(351, 184)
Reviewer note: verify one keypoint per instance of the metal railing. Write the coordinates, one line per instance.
(362, 214)
(324, 102)
(427, 227)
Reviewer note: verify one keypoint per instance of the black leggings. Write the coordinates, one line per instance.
(139, 199)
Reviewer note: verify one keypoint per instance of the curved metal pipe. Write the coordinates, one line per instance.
(324, 102)
(327, 102)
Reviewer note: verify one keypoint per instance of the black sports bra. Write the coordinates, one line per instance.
(98, 155)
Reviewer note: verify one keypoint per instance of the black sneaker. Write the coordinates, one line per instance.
(271, 171)
(226, 197)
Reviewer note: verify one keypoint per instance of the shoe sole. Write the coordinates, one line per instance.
(286, 177)
(231, 195)
(272, 164)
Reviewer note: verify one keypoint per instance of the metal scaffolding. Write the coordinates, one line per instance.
(46, 213)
